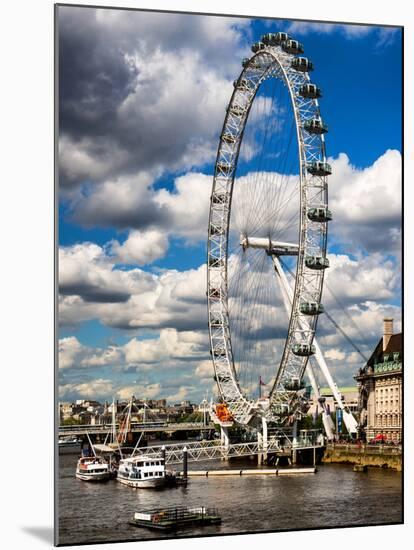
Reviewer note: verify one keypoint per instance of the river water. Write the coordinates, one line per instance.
(333, 497)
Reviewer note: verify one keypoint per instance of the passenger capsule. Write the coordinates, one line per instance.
(215, 322)
(259, 63)
(311, 308)
(275, 39)
(301, 64)
(319, 168)
(319, 214)
(315, 126)
(280, 37)
(294, 384)
(310, 91)
(316, 262)
(303, 350)
(245, 62)
(258, 46)
(292, 46)
(269, 39)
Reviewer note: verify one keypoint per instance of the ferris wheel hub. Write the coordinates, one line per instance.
(272, 247)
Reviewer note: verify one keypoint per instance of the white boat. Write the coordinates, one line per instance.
(92, 468)
(142, 472)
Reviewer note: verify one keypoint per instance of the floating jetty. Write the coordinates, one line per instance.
(169, 519)
(252, 472)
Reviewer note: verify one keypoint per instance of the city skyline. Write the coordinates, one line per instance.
(139, 126)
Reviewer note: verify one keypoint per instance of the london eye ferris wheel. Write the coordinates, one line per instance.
(267, 235)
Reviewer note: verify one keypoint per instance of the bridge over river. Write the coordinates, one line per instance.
(78, 430)
(216, 449)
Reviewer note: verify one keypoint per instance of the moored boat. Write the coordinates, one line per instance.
(142, 472)
(93, 469)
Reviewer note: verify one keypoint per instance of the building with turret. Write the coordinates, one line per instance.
(380, 389)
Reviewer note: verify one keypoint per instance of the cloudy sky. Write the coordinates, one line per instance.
(142, 99)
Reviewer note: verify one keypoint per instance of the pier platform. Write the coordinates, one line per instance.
(252, 472)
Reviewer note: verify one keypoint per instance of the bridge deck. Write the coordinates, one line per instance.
(95, 429)
(214, 450)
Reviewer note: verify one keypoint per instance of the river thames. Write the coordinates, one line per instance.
(335, 496)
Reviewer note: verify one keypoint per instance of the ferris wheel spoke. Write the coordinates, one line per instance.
(252, 292)
(272, 121)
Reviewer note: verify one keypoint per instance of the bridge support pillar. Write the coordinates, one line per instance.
(224, 436)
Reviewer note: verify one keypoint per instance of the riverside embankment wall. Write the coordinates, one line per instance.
(382, 456)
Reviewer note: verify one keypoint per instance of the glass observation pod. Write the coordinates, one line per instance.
(310, 91)
(216, 322)
(219, 352)
(215, 262)
(255, 63)
(228, 138)
(315, 126)
(316, 262)
(303, 350)
(319, 168)
(319, 214)
(311, 308)
(258, 46)
(302, 64)
(274, 39)
(224, 167)
(219, 198)
(292, 46)
(294, 384)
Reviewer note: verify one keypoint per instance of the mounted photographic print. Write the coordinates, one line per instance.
(229, 275)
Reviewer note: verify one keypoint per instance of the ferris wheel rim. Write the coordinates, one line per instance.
(277, 64)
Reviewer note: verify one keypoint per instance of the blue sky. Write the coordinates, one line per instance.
(140, 116)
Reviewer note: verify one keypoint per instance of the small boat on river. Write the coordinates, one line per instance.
(92, 468)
